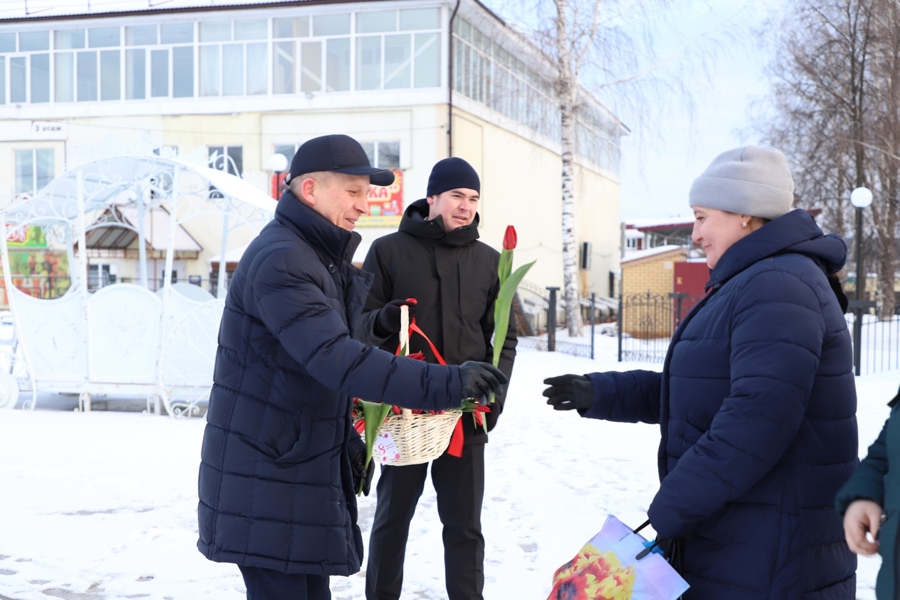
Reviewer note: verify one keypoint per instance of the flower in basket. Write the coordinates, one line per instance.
(369, 417)
(509, 283)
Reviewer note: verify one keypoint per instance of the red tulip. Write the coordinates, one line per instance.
(509, 238)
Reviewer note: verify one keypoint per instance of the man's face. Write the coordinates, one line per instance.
(340, 198)
(456, 207)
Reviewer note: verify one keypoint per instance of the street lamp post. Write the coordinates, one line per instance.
(279, 164)
(861, 197)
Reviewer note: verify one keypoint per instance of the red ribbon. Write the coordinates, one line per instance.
(456, 440)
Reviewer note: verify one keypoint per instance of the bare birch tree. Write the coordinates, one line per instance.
(606, 48)
(571, 47)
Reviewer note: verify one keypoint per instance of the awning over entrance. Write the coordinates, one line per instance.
(123, 228)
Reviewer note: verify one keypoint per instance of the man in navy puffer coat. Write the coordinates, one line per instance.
(277, 490)
(756, 404)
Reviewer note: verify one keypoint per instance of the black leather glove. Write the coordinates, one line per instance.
(362, 475)
(480, 379)
(568, 392)
(387, 321)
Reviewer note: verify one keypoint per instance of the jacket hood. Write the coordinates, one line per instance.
(326, 237)
(415, 223)
(794, 232)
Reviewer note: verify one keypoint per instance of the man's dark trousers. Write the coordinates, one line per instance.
(266, 584)
(459, 483)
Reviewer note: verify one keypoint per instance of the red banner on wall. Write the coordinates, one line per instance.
(385, 204)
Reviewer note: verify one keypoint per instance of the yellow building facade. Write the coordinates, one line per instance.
(237, 84)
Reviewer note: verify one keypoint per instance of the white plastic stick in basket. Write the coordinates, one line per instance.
(404, 341)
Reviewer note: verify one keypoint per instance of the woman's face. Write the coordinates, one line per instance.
(716, 230)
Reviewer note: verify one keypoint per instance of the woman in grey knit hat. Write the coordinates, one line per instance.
(756, 402)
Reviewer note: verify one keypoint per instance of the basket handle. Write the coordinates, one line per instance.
(403, 348)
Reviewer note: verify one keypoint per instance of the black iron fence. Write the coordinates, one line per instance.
(879, 342)
(647, 322)
(541, 320)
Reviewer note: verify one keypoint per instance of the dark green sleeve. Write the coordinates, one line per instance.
(867, 482)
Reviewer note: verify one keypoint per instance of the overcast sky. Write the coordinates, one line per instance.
(656, 179)
(660, 164)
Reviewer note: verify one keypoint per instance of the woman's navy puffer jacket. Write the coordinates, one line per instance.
(756, 405)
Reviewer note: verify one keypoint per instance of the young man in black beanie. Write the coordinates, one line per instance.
(436, 258)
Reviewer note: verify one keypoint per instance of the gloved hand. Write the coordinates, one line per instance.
(387, 321)
(567, 392)
(361, 473)
(480, 379)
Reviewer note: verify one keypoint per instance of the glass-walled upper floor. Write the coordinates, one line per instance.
(491, 72)
(298, 52)
(139, 59)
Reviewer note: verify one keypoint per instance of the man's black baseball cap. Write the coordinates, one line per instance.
(339, 153)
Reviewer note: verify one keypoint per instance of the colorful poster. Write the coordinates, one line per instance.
(385, 204)
(27, 237)
(38, 273)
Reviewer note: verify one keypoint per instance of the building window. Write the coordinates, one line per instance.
(238, 67)
(367, 50)
(384, 155)
(100, 275)
(227, 158)
(288, 151)
(91, 65)
(394, 59)
(34, 169)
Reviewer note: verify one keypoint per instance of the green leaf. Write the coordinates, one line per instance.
(503, 306)
(374, 413)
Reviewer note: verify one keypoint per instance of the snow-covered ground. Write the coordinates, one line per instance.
(102, 505)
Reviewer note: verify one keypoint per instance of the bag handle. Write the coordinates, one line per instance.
(647, 549)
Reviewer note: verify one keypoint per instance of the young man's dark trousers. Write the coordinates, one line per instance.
(266, 584)
(459, 483)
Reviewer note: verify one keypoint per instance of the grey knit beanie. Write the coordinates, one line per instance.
(748, 181)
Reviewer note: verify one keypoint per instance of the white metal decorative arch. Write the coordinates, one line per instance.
(125, 338)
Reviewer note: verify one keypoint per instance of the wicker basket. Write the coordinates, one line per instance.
(419, 438)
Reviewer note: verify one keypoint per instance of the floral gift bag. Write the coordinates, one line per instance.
(608, 567)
